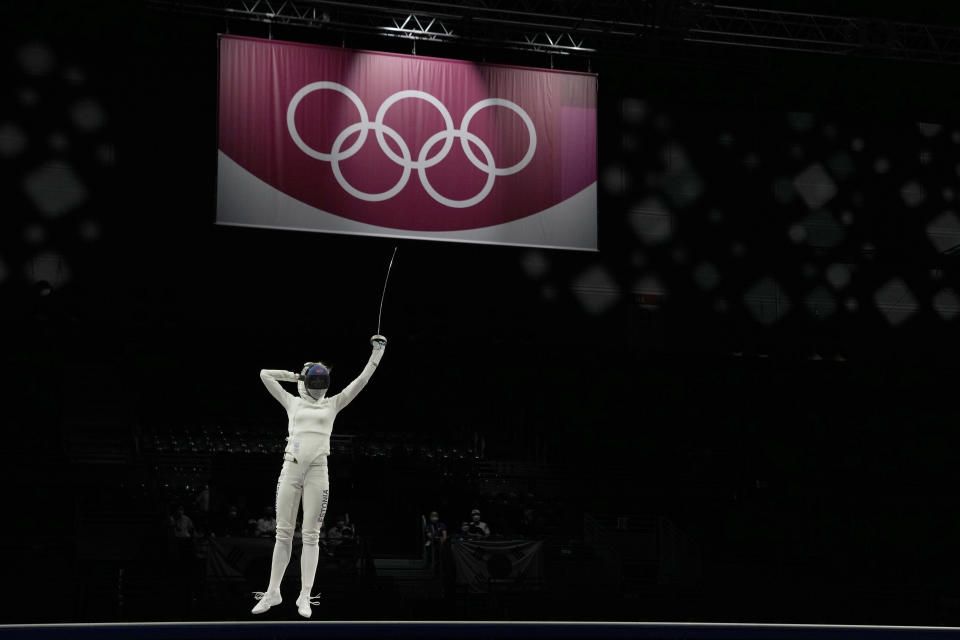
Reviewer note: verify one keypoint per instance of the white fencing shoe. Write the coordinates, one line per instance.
(304, 602)
(267, 600)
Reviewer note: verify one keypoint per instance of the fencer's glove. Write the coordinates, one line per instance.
(379, 342)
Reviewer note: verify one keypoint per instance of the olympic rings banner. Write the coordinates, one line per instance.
(343, 141)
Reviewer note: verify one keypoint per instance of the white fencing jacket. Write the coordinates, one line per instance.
(308, 416)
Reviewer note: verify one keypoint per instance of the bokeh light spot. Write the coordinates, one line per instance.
(947, 304)
(797, 233)
(766, 301)
(841, 165)
(36, 59)
(895, 301)
(815, 186)
(838, 275)
(615, 180)
(596, 290)
(89, 231)
(54, 188)
(634, 110)
(651, 220)
(944, 231)
(58, 141)
(912, 193)
(535, 264)
(12, 140)
(34, 234)
(88, 115)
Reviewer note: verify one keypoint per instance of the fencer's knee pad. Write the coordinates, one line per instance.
(284, 534)
(311, 537)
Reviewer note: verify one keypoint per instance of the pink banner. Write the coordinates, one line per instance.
(345, 141)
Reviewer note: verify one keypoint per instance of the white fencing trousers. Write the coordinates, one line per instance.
(302, 475)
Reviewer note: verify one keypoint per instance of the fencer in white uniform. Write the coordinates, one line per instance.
(310, 419)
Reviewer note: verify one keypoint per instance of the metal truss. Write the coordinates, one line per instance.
(616, 28)
(749, 27)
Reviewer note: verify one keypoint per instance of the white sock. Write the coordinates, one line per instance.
(281, 556)
(309, 556)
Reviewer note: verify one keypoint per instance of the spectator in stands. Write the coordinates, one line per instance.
(232, 525)
(436, 531)
(335, 535)
(464, 533)
(478, 528)
(527, 521)
(510, 514)
(494, 510)
(202, 511)
(324, 541)
(347, 530)
(267, 525)
(182, 524)
(182, 548)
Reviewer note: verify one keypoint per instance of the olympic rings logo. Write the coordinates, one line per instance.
(424, 160)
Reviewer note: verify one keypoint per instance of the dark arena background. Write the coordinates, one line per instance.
(740, 414)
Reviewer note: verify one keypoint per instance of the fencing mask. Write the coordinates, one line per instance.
(314, 381)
